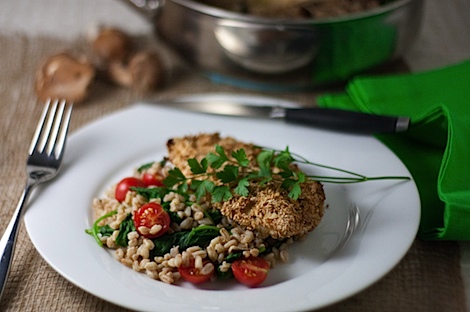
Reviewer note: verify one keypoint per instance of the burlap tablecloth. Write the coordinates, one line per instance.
(427, 279)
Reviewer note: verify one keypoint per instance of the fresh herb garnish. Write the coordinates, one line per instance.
(286, 155)
(221, 176)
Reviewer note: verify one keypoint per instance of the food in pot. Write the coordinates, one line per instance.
(296, 8)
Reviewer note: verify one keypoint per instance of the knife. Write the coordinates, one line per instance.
(326, 118)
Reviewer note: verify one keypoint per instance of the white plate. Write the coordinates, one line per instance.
(318, 273)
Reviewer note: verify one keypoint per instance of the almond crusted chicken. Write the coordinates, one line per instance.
(268, 208)
(198, 146)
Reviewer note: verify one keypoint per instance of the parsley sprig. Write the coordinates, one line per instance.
(221, 175)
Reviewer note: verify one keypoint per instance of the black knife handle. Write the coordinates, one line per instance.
(347, 121)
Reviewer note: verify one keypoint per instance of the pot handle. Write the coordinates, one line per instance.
(149, 8)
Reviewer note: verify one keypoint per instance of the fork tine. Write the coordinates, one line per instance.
(46, 131)
(39, 127)
(55, 127)
(52, 128)
(61, 132)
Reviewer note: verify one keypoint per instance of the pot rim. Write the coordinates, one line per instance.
(226, 14)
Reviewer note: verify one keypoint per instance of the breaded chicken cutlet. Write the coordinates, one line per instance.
(268, 208)
(198, 146)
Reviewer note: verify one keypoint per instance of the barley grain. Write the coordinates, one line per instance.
(143, 230)
(212, 253)
(152, 274)
(119, 254)
(198, 262)
(225, 266)
(231, 242)
(155, 229)
(132, 235)
(127, 262)
(193, 249)
(186, 223)
(187, 211)
(143, 251)
(219, 248)
(254, 252)
(207, 268)
(150, 244)
(198, 215)
(151, 266)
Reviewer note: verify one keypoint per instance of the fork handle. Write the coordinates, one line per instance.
(8, 241)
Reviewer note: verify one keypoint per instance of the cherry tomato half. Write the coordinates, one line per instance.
(193, 275)
(124, 185)
(250, 271)
(152, 179)
(149, 215)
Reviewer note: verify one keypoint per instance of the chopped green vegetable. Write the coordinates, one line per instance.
(224, 275)
(164, 243)
(106, 230)
(151, 192)
(199, 236)
(125, 228)
(95, 230)
(233, 256)
(150, 164)
(173, 215)
(214, 215)
(145, 166)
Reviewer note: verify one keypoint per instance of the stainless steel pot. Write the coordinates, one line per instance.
(275, 54)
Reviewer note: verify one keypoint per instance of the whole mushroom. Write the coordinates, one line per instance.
(64, 76)
(110, 44)
(143, 72)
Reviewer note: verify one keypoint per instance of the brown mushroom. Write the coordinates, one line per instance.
(64, 76)
(111, 45)
(144, 71)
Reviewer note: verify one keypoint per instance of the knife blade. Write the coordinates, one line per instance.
(325, 118)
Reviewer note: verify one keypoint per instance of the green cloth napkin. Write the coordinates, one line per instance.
(436, 148)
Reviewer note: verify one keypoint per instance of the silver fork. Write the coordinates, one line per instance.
(45, 158)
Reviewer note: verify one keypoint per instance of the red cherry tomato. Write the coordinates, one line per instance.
(193, 275)
(124, 185)
(149, 215)
(152, 179)
(250, 271)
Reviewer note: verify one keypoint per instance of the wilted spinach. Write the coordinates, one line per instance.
(200, 236)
